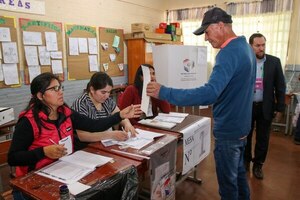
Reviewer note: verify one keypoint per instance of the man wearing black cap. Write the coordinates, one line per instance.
(230, 90)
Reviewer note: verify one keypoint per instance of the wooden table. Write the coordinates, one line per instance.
(40, 187)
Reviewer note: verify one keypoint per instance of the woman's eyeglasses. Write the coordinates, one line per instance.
(55, 88)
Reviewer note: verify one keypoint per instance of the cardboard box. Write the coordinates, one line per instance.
(141, 27)
(158, 36)
(178, 31)
(129, 36)
(176, 24)
(180, 66)
(160, 30)
(6, 115)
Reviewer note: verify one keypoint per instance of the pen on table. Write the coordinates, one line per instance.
(52, 141)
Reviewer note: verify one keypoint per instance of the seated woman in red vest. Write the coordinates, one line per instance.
(133, 95)
(46, 120)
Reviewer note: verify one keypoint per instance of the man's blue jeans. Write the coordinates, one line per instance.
(231, 173)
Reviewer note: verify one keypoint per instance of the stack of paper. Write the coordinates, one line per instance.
(142, 139)
(72, 168)
(164, 120)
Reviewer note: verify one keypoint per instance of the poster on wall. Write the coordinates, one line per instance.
(82, 51)
(9, 56)
(25, 6)
(42, 48)
(111, 51)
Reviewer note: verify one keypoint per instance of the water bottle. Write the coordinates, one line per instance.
(64, 193)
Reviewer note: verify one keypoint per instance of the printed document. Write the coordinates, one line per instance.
(71, 168)
(142, 139)
(146, 99)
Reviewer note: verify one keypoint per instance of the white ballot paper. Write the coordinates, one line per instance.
(146, 99)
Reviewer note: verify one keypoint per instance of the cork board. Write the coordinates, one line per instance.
(43, 28)
(9, 22)
(79, 66)
(111, 51)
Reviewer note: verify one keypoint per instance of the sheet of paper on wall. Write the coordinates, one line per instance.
(56, 54)
(105, 66)
(32, 38)
(104, 45)
(67, 141)
(31, 55)
(92, 42)
(83, 47)
(201, 54)
(1, 72)
(145, 99)
(121, 66)
(57, 67)
(10, 52)
(34, 70)
(5, 34)
(10, 72)
(112, 57)
(51, 41)
(116, 41)
(73, 47)
(93, 63)
(44, 56)
(149, 47)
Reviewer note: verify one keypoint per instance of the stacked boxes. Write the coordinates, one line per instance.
(141, 27)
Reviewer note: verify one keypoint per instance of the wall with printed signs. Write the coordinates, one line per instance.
(94, 13)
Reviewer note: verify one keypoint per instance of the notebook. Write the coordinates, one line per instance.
(73, 167)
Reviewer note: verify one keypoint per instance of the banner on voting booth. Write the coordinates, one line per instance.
(163, 175)
(196, 143)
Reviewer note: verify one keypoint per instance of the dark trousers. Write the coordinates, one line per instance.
(297, 130)
(262, 127)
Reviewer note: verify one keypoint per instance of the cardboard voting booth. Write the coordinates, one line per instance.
(180, 66)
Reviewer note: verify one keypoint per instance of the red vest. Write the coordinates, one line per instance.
(42, 139)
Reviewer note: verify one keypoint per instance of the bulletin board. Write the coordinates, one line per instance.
(79, 64)
(9, 22)
(43, 27)
(111, 51)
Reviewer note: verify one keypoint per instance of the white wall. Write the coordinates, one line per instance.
(105, 13)
(178, 4)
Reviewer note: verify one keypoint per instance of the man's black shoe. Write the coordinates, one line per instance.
(297, 142)
(257, 171)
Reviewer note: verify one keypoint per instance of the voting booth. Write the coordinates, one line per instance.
(180, 66)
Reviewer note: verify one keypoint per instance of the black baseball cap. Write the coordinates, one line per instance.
(212, 16)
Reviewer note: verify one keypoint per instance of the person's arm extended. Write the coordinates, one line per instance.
(125, 123)
(84, 123)
(85, 136)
